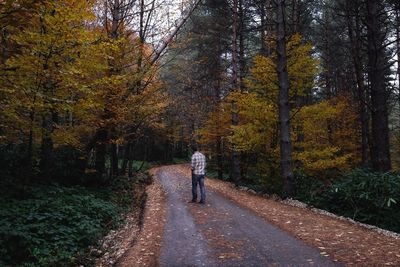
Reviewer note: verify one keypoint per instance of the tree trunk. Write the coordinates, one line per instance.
(235, 172)
(327, 58)
(130, 160)
(269, 25)
(294, 17)
(29, 163)
(47, 148)
(4, 46)
(380, 154)
(114, 160)
(106, 131)
(241, 34)
(168, 39)
(283, 102)
(126, 159)
(101, 150)
(355, 44)
(217, 100)
(220, 166)
(263, 21)
(398, 50)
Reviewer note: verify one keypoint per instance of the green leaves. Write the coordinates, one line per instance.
(365, 196)
(52, 225)
(391, 201)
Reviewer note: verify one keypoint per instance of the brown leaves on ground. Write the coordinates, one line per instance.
(118, 241)
(224, 247)
(146, 251)
(339, 240)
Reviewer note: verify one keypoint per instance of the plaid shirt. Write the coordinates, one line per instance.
(198, 163)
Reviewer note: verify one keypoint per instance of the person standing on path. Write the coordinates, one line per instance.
(198, 174)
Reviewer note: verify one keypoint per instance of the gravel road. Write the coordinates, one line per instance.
(221, 233)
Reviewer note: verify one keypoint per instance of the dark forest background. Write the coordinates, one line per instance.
(298, 98)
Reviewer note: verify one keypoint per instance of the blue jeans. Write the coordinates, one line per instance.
(198, 179)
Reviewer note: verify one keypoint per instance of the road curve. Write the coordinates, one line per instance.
(221, 233)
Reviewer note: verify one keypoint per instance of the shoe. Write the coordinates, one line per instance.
(202, 202)
(192, 201)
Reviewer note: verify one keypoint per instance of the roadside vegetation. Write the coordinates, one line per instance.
(297, 98)
(58, 223)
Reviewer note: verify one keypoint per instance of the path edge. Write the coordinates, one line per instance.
(146, 250)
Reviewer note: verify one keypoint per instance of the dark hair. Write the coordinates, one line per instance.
(194, 146)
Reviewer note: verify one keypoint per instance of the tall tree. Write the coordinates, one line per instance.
(283, 100)
(354, 28)
(377, 70)
(42, 86)
(235, 172)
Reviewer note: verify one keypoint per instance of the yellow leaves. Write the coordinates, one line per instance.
(257, 109)
(67, 68)
(263, 78)
(66, 136)
(257, 122)
(302, 69)
(217, 127)
(324, 134)
(331, 132)
(318, 160)
(246, 137)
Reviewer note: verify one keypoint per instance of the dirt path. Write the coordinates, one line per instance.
(221, 233)
(239, 228)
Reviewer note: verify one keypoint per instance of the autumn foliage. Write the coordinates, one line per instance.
(65, 79)
(325, 133)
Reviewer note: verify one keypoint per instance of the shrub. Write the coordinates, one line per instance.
(362, 195)
(309, 189)
(368, 197)
(53, 225)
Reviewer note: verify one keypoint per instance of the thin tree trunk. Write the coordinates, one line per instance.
(126, 159)
(377, 63)
(328, 60)
(355, 45)
(217, 100)
(114, 160)
(47, 148)
(236, 173)
(4, 47)
(295, 16)
(269, 25)
(130, 160)
(30, 147)
(168, 39)
(101, 150)
(283, 102)
(263, 28)
(105, 132)
(220, 168)
(398, 50)
(241, 33)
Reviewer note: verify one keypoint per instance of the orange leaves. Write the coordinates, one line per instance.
(217, 126)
